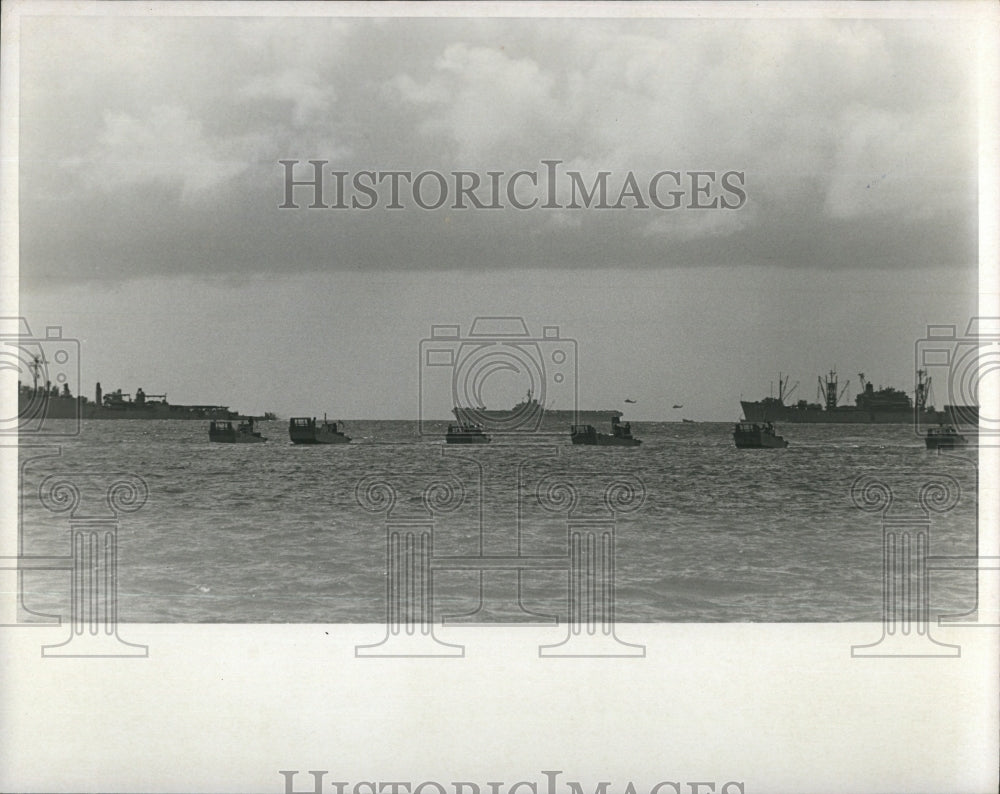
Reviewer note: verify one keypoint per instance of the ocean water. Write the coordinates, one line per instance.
(702, 531)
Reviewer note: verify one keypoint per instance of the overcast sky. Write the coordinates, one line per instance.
(150, 189)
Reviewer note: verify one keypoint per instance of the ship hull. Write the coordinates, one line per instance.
(758, 412)
(604, 440)
(758, 441)
(320, 438)
(317, 436)
(73, 408)
(946, 442)
(466, 438)
(534, 421)
(236, 437)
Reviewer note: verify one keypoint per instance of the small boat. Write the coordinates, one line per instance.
(688, 421)
(944, 437)
(466, 434)
(757, 435)
(620, 435)
(305, 430)
(223, 431)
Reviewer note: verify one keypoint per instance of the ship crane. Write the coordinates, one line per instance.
(782, 383)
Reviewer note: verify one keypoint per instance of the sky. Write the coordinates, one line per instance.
(151, 228)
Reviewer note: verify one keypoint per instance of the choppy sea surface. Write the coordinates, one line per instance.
(702, 531)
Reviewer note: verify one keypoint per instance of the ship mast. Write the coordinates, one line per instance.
(827, 390)
(36, 364)
(923, 389)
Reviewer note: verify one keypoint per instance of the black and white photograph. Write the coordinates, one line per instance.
(459, 398)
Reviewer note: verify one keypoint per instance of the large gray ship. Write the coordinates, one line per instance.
(885, 405)
(39, 403)
(531, 416)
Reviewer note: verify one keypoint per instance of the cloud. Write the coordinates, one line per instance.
(479, 98)
(857, 138)
(303, 89)
(168, 147)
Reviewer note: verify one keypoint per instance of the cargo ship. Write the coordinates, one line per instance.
(884, 405)
(39, 403)
(531, 416)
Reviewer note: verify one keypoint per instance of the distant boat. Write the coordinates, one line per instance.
(305, 430)
(678, 406)
(688, 421)
(223, 431)
(944, 437)
(620, 436)
(753, 435)
(466, 434)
